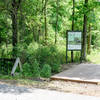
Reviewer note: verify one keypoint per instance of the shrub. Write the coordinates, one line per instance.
(27, 70)
(31, 70)
(35, 69)
(39, 56)
(56, 68)
(50, 56)
(46, 71)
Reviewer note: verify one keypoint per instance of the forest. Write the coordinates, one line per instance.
(35, 31)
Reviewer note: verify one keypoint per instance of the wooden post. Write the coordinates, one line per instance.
(66, 45)
(81, 57)
(72, 55)
(15, 66)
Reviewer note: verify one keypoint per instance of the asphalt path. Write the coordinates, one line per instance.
(11, 92)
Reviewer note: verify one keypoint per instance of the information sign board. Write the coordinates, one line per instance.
(74, 40)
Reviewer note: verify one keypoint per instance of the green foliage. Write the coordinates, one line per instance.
(31, 70)
(41, 59)
(5, 67)
(56, 67)
(46, 71)
(49, 55)
(94, 57)
(35, 69)
(35, 52)
(96, 39)
(37, 56)
(27, 70)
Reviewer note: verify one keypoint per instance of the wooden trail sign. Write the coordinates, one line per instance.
(73, 42)
(17, 62)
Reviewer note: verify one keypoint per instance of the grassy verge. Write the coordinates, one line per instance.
(94, 57)
(19, 81)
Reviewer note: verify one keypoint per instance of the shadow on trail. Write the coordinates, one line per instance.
(13, 89)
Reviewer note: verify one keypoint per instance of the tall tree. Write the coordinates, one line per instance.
(56, 29)
(85, 30)
(45, 18)
(14, 11)
(73, 15)
(89, 40)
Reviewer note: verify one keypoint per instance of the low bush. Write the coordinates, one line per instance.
(27, 70)
(46, 71)
(31, 70)
(56, 67)
(35, 69)
(45, 58)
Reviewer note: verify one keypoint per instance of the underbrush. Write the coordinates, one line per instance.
(94, 57)
(41, 60)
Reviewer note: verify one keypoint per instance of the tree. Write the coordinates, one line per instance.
(85, 30)
(56, 29)
(89, 40)
(73, 15)
(46, 21)
(14, 11)
(45, 18)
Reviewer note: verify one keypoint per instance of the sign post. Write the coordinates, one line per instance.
(73, 42)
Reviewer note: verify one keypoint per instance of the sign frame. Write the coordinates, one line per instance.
(73, 49)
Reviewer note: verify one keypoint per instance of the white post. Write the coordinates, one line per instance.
(16, 65)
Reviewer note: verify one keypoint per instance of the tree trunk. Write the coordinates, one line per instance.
(33, 29)
(84, 33)
(39, 30)
(89, 41)
(14, 10)
(14, 26)
(45, 19)
(73, 15)
(21, 25)
(56, 29)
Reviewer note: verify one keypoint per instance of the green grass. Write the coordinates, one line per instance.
(11, 77)
(17, 80)
(94, 57)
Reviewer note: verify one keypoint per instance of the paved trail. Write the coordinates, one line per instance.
(8, 92)
(88, 73)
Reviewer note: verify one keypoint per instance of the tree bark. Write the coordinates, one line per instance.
(39, 31)
(14, 26)
(89, 40)
(45, 19)
(56, 29)
(73, 15)
(34, 37)
(14, 10)
(84, 33)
